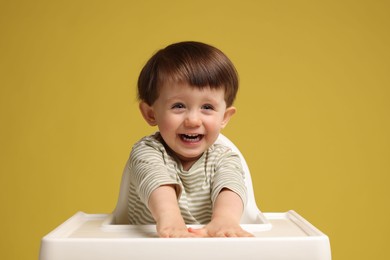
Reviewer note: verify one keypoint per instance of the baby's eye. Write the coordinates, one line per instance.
(178, 106)
(208, 107)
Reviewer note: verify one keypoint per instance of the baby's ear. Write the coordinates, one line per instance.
(148, 113)
(230, 111)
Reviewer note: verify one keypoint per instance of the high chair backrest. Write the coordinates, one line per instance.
(249, 216)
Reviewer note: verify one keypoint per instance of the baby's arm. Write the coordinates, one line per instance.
(166, 212)
(225, 221)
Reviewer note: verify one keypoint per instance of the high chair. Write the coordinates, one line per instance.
(277, 236)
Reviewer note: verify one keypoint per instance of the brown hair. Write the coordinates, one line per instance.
(198, 64)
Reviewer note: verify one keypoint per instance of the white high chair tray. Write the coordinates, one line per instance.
(92, 236)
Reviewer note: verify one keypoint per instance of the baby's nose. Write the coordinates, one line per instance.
(192, 120)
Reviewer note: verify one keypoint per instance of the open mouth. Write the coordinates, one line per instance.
(191, 137)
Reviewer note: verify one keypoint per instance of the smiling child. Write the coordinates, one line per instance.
(179, 175)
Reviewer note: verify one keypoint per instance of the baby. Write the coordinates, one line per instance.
(179, 175)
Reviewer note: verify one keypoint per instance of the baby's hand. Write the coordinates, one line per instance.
(171, 228)
(220, 228)
(174, 232)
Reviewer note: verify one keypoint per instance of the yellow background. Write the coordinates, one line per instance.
(312, 122)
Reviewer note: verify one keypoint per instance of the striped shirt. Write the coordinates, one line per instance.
(197, 189)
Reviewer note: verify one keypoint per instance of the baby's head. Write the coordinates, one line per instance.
(196, 64)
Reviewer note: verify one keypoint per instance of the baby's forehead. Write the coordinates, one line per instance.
(188, 93)
(186, 85)
(171, 85)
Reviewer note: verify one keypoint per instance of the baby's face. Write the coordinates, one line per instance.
(190, 119)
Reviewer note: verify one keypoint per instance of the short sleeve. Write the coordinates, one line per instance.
(148, 170)
(229, 174)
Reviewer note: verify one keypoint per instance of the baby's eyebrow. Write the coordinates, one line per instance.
(174, 98)
(211, 100)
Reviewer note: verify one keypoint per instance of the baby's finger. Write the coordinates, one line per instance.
(199, 232)
(231, 234)
(244, 233)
